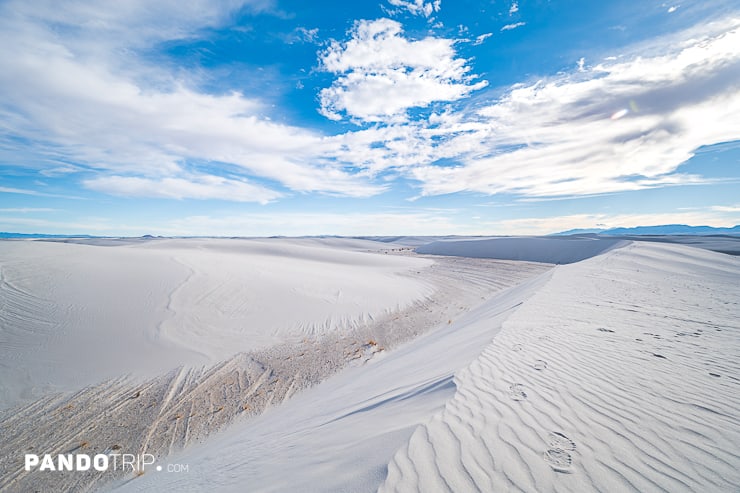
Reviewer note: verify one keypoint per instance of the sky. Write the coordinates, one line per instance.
(386, 117)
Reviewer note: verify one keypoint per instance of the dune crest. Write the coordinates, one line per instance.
(620, 374)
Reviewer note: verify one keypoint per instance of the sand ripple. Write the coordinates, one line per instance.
(621, 374)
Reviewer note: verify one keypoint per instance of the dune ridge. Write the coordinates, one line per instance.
(615, 373)
(620, 374)
(551, 250)
(168, 412)
(77, 313)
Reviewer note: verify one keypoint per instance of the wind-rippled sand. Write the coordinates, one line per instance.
(615, 373)
(285, 315)
(621, 374)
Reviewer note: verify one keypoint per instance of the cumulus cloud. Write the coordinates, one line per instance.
(74, 89)
(379, 60)
(560, 136)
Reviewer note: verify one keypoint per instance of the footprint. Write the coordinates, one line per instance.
(516, 347)
(558, 455)
(516, 392)
(540, 365)
(559, 460)
(602, 329)
(557, 440)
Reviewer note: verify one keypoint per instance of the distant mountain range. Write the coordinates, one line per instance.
(665, 229)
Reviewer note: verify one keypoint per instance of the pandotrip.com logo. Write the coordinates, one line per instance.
(136, 463)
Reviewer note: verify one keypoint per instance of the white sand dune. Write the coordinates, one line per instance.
(621, 374)
(74, 314)
(180, 406)
(340, 435)
(618, 373)
(553, 250)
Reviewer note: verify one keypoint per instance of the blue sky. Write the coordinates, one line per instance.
(276, 117)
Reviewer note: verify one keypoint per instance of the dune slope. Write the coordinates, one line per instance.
(74, 314)
(553, 250)
(621, 374)
(618, 373)
(180, 407)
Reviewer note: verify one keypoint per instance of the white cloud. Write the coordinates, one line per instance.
(673, 9)
(378, 60)
(309, 35)
(391, 223)
(135, 21)
(302, 35)
(60, 170)
(72, 85)
(27, 210)
(726, 208)
(509, 27)
(514, 8)
(345, 224)
(193, 187)
(418, 7)
(480, 39)
(549, 225)
(626, 125)
(581, 64)
(83, 226)
(35, 193)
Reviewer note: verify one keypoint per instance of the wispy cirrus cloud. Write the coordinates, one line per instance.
(480, 39)
(197, 187)
(418, 7)
(73, 85)
(726, 208)
(624, 125)
(35, 193)
(558, 137)
(509, 27)
(346, 224)
(378, 60)
(28, 210)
